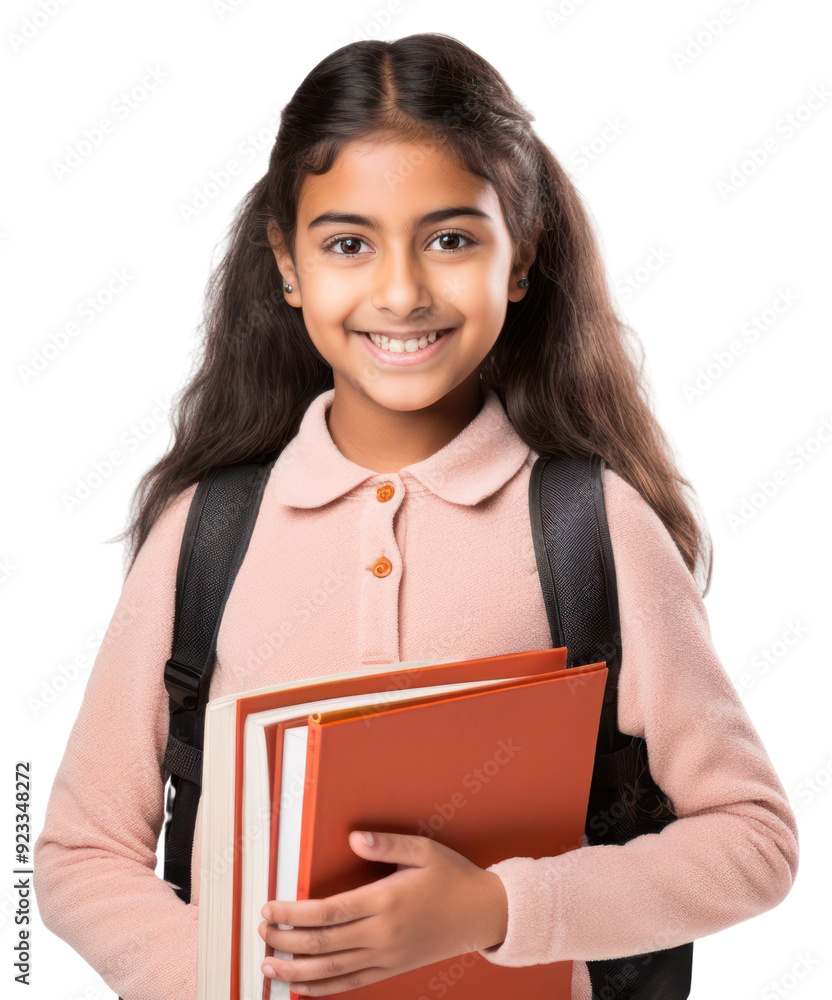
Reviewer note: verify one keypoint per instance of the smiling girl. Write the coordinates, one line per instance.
(412, 309)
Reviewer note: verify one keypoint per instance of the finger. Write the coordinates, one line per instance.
(310, 968)
(394, 848)
(338, 909)
(316, 940)
(338, 984)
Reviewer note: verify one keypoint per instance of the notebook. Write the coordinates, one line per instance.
(257, 752)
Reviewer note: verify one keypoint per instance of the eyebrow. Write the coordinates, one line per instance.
(440, 215)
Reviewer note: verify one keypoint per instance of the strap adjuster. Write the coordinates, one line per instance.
(183, 683)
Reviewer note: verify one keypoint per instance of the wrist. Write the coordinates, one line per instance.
(497, 909)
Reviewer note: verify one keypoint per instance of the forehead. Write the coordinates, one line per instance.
(395, 181)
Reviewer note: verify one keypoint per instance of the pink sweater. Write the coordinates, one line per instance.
(306, 603)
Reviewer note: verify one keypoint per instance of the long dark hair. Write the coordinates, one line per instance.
(565, 366)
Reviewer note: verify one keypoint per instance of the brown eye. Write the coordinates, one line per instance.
(350, 243)
(448, 239)
(447, 242)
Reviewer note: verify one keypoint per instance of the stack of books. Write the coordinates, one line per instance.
(492, 757)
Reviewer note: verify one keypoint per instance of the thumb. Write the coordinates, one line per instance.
(364, 842)
(401, 849)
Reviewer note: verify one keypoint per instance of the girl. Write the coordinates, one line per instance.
(411, 310)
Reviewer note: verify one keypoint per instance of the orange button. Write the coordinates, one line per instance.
(385, 492)
(381, 567)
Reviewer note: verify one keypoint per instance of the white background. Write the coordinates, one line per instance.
(695, 262)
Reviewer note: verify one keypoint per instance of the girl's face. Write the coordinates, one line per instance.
(399, 241)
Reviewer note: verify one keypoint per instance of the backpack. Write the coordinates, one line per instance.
(577, 575)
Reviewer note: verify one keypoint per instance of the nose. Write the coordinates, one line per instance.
(399, 285)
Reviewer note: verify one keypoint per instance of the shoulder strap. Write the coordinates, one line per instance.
(220, 522)
(577, 574)
(577, 571)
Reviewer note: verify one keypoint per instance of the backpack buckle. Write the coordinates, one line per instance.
(182, 683)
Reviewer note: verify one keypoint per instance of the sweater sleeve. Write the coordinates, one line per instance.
(733, 851)
(94, 861)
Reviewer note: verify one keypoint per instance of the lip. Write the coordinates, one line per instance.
(405, 358)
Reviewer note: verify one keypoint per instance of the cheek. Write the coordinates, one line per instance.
(329, 302)
(478, 290)
(324, 338)
(484, 312)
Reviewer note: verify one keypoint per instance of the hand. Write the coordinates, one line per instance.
(437, 904)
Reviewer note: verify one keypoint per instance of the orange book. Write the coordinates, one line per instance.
(230, 898)
(500, 772)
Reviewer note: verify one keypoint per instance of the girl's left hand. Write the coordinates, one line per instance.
(437, 904)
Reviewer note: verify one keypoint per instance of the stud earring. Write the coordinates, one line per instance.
(286, 285)
(523, 282)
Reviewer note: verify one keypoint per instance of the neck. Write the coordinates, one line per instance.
(385, 440)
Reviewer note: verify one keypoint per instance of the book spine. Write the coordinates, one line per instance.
(307, 822)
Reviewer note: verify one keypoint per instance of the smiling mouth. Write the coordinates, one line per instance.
(408, 346)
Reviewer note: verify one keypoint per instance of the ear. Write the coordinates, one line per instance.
(285, 265)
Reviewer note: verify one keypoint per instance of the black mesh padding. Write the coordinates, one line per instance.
(183, 760)
(217, 548)
(577, 576)
(220, 521)
(567, 509)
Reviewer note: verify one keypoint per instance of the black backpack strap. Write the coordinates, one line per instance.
(577, 576)
(577, 571)
(220, 522)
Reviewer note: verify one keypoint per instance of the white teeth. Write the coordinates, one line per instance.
(403, 346)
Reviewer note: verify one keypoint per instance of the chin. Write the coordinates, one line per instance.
(405, 399)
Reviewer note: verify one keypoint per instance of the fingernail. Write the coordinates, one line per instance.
(369, 840)
(266, 912)
(267, 971)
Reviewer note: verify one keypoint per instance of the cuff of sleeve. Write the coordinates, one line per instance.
(532, 911)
